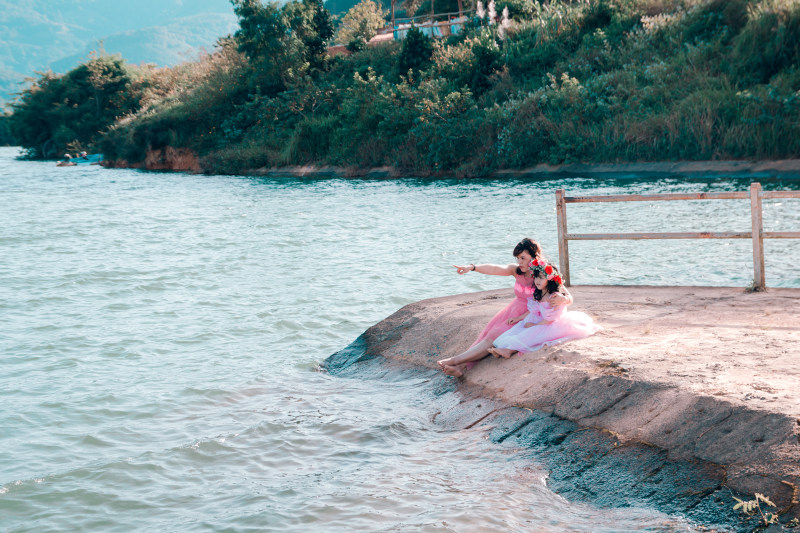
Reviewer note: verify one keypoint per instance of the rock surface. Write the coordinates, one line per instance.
(688, 393)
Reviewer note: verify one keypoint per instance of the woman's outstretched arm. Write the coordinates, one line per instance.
(491, 270)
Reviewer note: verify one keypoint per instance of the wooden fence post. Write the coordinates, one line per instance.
(563, 249)
(758, 236)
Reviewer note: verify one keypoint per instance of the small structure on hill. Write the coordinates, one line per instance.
(431, 24)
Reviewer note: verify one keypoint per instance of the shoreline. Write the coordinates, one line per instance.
(185, 160)
(701, 383)
(743, 169)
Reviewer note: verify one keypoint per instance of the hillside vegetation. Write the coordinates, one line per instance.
(591, 81)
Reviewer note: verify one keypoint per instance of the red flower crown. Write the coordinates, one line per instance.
(540, 265)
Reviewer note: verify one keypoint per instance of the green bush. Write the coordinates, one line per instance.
(769, 42)
(416, 52)
(57, 112)
(311, 139)
(6, 139)
(473, 63)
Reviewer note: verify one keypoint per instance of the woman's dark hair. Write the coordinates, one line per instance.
(530, 246)
(552, 286)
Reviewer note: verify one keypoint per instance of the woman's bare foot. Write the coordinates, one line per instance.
(452, 370)
(505, 353)
(493, 351)
(445, 362)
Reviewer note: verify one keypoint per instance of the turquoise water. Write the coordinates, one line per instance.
(160, 336)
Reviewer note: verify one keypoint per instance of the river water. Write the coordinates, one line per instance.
(161, 334)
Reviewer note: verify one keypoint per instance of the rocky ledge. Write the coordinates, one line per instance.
(688, 396)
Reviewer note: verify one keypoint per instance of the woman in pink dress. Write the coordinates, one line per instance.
(526, 251)
(544, 323)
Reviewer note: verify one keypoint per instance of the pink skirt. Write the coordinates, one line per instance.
(571, 325)
(499, 323)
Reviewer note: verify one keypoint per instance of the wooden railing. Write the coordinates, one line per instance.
(438, 17)
(757, 234)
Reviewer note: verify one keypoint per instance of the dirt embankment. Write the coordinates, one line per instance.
(787, 168)
(168, 158)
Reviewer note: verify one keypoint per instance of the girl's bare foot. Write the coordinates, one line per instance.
(452, 371)
(445, 362)
(493, 351)
(505, 353)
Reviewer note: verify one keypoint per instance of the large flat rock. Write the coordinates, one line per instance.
(679, 375)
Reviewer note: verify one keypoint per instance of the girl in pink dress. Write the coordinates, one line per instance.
(526, 251)
(546, 322)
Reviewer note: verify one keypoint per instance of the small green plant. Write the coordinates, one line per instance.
(754, 287)
(753, 508)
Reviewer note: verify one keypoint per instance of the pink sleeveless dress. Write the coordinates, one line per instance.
(523, 289)
(564, 326)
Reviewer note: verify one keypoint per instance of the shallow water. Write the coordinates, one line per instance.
(160, 336)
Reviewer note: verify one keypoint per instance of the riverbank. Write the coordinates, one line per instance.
(704, 376)
(186, 160)
(785, 168)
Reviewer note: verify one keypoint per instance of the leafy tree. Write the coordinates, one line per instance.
(6, 139)
(57, 111)
(282, 42)
(262, 28)
(360, 24)
(416, 52)
(264, 37)
(312, 24)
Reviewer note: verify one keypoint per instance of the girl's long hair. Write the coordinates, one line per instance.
(552, 286)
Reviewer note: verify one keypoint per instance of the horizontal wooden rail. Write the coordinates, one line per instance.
(643, 236)
(657, 197)
(685, 235)
(780, 194)
(757, 234)
(781, 234)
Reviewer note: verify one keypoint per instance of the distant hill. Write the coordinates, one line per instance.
(37, 35)
(179, 41)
